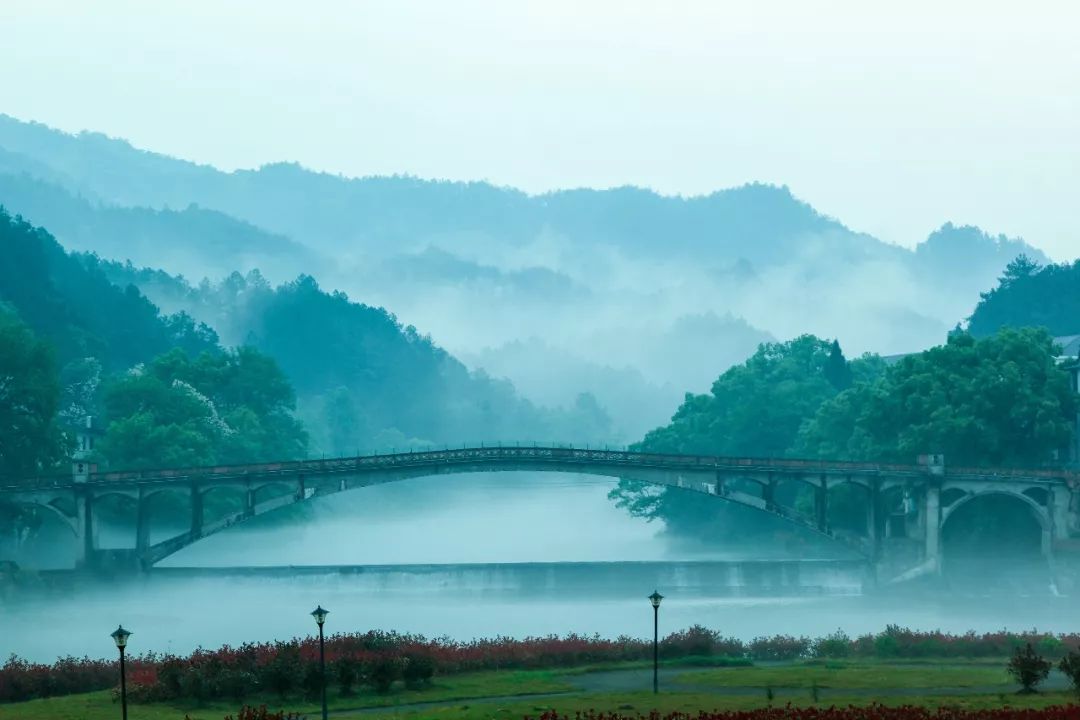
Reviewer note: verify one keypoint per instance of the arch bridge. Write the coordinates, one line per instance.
(906, 505)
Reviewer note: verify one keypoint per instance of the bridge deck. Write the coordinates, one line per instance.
(528, 455)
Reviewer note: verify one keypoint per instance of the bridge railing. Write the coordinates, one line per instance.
(533, 453)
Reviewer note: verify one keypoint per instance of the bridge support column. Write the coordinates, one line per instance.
(249, 503)
(196, 512)
(1058, 509)
(142, 527)
(768, 493)
(821, 504)
(301, 489)
(932, 517)
(873, 529)
(85, 528)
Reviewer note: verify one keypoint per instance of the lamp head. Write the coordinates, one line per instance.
(655, 599)
(120, 636)
(320, 615)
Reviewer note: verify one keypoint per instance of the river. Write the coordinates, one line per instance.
(482, 556)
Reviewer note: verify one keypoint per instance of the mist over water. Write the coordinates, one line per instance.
(481, 518)
(472, 556)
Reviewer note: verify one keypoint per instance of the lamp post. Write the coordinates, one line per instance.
(320, 617)
(120, 637)
(655, 599)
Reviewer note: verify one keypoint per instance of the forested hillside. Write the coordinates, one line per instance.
(1031, 295)
(79, 310)
(74, 344)
(366, 381)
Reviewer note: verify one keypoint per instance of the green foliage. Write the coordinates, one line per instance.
(228, 407)
(754, 409)
(382, 671)
(1002, 400)
(1028, 295)
(70, 301)
(417, 671)
(365, 381)
(30, 439)
(346, 670)
(1070, 668)
(1028, 668)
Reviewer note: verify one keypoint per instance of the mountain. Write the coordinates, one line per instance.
(381, 215)
(192, 241)
(607, 276)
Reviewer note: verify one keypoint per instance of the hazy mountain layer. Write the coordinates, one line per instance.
(617, 278)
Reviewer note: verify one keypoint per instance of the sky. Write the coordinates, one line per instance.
(892, 117)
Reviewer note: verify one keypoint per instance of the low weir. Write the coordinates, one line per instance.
(705, 578)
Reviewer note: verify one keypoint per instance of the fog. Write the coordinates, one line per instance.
(477, 556)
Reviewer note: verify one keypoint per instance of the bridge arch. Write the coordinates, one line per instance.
(703, 482)
(67, 520)
(996, 521)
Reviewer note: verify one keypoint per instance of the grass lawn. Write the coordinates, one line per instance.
(484, 695)
(851, 675)
(643, 702)
(92, 706)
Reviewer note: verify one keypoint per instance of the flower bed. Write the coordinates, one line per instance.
(378, 659)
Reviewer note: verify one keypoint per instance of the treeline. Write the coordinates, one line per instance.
(1031, 295)
(999, 400)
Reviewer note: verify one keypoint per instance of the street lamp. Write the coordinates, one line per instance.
(320, 617)
(655, 599)
(120, 637)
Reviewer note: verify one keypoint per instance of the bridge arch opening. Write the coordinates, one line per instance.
(38, 534)
(995, 536)
(848, 507)
(167, 512)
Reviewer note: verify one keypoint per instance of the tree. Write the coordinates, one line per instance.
(837, 371)
(754, 409)
(1028, 668)
(1070, 668)
(229, 407)
(1003, 400)
(1028, 295)
(30, 439)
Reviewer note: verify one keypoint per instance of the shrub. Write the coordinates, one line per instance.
(282, 673)
(346, 671)
(382, 671)
(311, 680)
(417, 671)
(1028, 668)
(837, 645)
(1070, 667)
(779, 647)
(700, 641)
